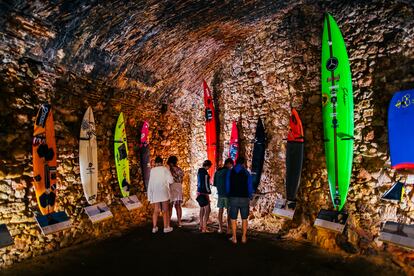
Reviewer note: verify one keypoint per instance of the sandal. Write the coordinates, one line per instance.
(233, 241)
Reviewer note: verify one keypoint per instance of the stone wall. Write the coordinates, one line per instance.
(279, 68)
(260, 58)
(27, 80)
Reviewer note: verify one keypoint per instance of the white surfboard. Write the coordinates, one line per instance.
(88, 157)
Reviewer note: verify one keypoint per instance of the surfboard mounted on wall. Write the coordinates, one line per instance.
(211, 134)
(337, 112)
(259, 147)
(88, 163)
(44, 160)
(294, 160)
(88, 157)
(144, 154)
(400, 126)
(234, 142)
(121, 156)
(45, 173)
(400, 130)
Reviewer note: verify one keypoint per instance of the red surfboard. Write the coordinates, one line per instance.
(234, 142)
(211, 135)
(144, 153)
(295, 128)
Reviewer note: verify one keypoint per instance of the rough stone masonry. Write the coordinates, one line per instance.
(148, 59)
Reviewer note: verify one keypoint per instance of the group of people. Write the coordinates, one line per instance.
(165, 191)
(234, 189)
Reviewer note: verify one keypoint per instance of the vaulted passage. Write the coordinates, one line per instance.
(260, 59)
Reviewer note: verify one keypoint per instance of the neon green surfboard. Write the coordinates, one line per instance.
(121, 156)
(337, 111)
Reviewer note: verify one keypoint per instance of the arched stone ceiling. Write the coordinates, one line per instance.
(161, 49)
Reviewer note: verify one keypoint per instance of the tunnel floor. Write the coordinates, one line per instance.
(185, 251)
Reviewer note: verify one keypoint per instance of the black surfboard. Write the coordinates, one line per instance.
(294, 160)
(258, 154)
(294, 156)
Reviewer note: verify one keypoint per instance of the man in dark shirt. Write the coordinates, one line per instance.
(239, 189)
(203, 191)
(222, 202)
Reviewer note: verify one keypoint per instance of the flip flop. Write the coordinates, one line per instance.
(231, 239)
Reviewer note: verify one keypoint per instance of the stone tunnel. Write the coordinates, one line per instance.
(148, 59)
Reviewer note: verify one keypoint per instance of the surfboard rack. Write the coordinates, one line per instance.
(131, 202)
(398, 234)
(284, 208)
(5, 236)
(331, 220)
(98, 212)
(54, 222)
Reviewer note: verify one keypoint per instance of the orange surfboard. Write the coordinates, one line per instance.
(44, 160)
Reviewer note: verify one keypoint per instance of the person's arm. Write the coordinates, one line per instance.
(169, 177)
(207, 183)
(228, 182)
(249, 184)
(149, 191)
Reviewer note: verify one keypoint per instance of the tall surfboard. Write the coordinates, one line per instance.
(401, 130)
(258, 154)
(44, 160)
(144, 154)
(234, 142)
(211, 135)
(88, 157)
(121, 156)
(337, 111)
(294, 155)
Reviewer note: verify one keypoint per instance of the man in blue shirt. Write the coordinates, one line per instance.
(239, 188)
(222, 202)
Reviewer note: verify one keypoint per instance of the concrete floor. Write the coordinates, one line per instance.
(185, 251)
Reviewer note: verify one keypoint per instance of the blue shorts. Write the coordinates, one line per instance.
(239, 204)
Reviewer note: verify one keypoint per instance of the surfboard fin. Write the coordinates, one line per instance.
(395, 193)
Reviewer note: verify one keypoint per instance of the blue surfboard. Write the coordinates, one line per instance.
(401, 130)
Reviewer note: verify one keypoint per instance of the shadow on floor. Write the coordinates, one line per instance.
(185, 251)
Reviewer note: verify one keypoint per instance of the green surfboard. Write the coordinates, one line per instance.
(337, 111)
(121, 156)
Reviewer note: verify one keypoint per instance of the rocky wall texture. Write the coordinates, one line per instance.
(149, 59)
(28, 80)
(278, 68)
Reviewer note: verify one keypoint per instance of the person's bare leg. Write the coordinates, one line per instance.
(220, 219)
(234, 230)
(155, 214)
(206, 216)
(179, 212)
(166, 214)
(201, 218)
(170, 209)
(244, 230)
(228, 222)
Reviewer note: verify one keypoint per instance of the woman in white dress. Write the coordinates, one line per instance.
(159, 194)
(176, 188)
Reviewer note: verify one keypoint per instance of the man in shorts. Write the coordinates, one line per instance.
(239, 189)
(220, 183)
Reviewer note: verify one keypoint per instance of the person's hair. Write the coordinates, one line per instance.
(228, 161)
(207, 163)
(172, 160)
(240, 160)
(158, 159)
